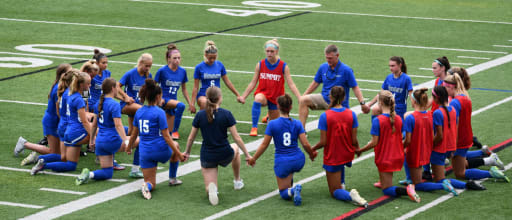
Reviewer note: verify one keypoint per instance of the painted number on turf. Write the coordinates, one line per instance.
(266, 4)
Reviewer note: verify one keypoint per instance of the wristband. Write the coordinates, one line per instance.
(126, 142)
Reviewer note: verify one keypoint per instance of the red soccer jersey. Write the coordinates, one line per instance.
(422, 140)
(271, 81)
(449, 142)
(338, 149)
(465, 134)
(435, 106)
(389, 152)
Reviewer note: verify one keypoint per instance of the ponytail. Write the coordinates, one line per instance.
(106, 88)
(400, 61)
(78, 79)
(65, 82)
(213, 95)
(149, 91)
(337, 96)
(440, 96)
(386, 99)
(61, 69)
(421, 97)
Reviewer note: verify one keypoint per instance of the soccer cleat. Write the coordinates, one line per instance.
(83, 153)
(496, 161)
(43, 141)
(145, 191)
(83, 178)
(212, 194)
(136, 174)
(357, 199)
(265, 119)
(472, 185)
(447, 186)
(175, 182)
(446, 162)
(297, 199)
(97, 160)
(254, 132)
(476, 143)
(38, 167)
(405, 182)
(118, 167)
(497, 174)
(20, 146)
(412, 193)
(378, 185)
(238, 185)
(485, 149)
(175, 135)
(30, 159)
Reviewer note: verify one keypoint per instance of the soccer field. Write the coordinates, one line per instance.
(37, 36)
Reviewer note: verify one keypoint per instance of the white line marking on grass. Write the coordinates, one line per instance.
(421, 76)
(21, 102)
(476, 58)
(491, 106)
(425, 68)
(116, 192)
(53, 173)
(63, 191)
(505, 46)
(438, 201)
(131, 165)
(334, 12)
(462, 64)
(370, 90)
(255, 36)
(21, 205)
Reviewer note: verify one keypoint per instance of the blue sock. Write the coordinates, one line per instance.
(427, 187)
(407, 173)
(426, 168)
(341, 194)
(48, 158)
(343, 174)
(136, 158)
(474, 153)
(149, 186)
(256, 111)
(173, 169)
(61, 166)
(180, 108)
(457, 184)
(104, 173)
(284, 193)
(476, 174)
(390, 191)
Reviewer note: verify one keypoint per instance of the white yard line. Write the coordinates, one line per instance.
(476, 58)
(63, 191)
(332, 12)
(116, 192)
(505, 46)
(491, 106)
(421, 76)
(21, 102)
(437, 201)
(425, 68)
(21, 205)
(53, 173)
(254, 36)
(131, 165)
(462, 64)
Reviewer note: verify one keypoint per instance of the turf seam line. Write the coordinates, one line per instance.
(163, 44)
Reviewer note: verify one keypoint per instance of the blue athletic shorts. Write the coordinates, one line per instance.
(71, 139)
(151, 159)
(284, 165)
(461, 152)
(50, 130)
(271, 106)
(337, 168)
(437, 158)
(104, 148)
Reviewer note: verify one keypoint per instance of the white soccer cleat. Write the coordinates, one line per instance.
(357, 199)
(212, 194)
(238, 185)
(20, 146)
(30, 159)
(175, 182)
(497, 162)
(145, 191)
(38, 167)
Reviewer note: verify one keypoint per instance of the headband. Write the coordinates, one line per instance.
(438, 62)
(271, 45)
(173, 51)
(414, 98)
(448, 84)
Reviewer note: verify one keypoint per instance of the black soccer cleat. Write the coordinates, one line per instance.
(476, 143)
(43, 141)
(472, 185)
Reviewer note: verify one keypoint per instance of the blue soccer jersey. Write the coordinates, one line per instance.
(107, 128)
(63, 122)
(400, 88)
(50, 117)
(209, 75)
(95, 89)
(74, 103)
(341, 75)
(285, 132)
(151, 120)
(170, 81)
(132, 82)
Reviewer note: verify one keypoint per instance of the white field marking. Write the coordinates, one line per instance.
(420, 76)
(491, 106)
(312, 125)
(312, 116)
(131, 165)
(255, 36)
(21, 102)
(333, 12)
(476, 58)
(438, 200)
(506, 46)
(53, 173)
(116, 192)
(247, 134)
(462, 64)
(354, 98)
(425, 68)
(21, 205)
(63, 191)
(155, 64)
(370, 90)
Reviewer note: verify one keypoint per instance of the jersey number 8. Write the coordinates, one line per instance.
(287, 139)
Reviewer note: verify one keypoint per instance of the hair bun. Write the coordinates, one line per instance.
(96, 51)
(210, 43)
(172, 47)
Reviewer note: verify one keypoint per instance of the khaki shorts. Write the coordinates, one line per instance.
(318, 102)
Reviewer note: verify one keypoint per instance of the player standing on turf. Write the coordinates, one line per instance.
(270, 75)
(389, 151)
(288, 158)
(156, 144)
(209, 72)
(214, 123)
(338, 136)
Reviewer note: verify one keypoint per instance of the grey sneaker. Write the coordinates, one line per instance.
(238, 185)
(38, 167)
(20, 146)
(30, 159)
(175, 182)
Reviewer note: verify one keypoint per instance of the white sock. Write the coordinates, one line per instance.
(135, 168)
(488, 161)
(91, 175)
(290, 192)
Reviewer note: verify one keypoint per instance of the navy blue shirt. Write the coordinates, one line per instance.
(215, 134)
